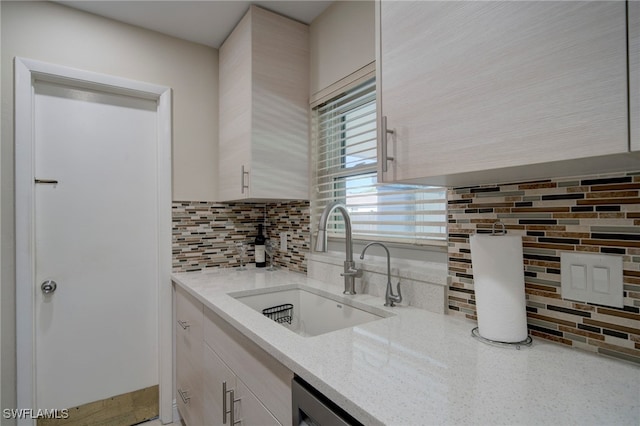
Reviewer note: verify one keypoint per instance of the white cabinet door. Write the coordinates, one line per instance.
(217, 378)
(224, 393)
(234, 149)
(473, 86)
(634, 73)
(264, 88)
(250, 410)
(268, 380)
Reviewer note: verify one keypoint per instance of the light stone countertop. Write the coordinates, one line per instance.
(421, 368)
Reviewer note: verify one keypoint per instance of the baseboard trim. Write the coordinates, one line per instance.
(176, 414)
(126, 409)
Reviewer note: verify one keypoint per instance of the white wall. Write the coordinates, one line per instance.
(53, 33)
(342, 41)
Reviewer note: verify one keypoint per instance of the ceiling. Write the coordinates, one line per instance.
(208, 22)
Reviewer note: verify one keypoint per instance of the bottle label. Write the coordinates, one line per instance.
(260, 254)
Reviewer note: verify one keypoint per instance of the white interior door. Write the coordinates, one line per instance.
(96, 335)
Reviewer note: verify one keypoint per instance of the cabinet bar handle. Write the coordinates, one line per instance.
(183, 324)
(184, 397)
(384, 147)
(231, 396)
(233, 408)
(224, 403)
(242, 175)
(233, 401)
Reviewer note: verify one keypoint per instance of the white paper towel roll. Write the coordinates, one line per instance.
(498, 277)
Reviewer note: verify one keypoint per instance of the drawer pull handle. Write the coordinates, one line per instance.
(183, 324)
(183, 395)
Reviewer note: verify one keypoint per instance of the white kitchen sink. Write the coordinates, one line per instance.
(311, 311)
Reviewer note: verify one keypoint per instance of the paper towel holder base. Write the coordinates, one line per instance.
(526, 342)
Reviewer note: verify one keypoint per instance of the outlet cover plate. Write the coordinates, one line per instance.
(592, 278)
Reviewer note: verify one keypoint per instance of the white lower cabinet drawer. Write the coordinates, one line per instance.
(189, 325)
(188, 391)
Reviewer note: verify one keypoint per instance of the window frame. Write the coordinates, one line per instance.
(437, 244)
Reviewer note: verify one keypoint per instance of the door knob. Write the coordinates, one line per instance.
(49, 286)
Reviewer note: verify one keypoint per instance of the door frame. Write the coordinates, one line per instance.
(27, 71)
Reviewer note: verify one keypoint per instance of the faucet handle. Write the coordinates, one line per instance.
(399, 296)
(352, 272)
(391, 299)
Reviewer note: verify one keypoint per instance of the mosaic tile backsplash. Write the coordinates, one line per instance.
(599, 214)
(292, 218)
(205, 233)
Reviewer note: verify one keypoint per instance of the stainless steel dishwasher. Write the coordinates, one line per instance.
(312, 408)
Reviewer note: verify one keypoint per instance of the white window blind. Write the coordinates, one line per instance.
(344, 161)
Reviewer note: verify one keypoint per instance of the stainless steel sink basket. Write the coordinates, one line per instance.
(279, 313)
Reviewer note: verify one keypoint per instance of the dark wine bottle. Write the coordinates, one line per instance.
(260, 255)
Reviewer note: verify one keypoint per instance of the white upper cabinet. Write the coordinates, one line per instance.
(634, 73)
(488, 92)
(264, 124)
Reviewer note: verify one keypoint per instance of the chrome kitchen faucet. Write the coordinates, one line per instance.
(350, 271)
(390, 299)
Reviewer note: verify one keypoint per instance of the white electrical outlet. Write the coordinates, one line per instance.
(283, 241)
